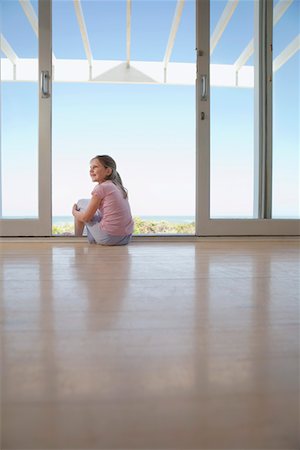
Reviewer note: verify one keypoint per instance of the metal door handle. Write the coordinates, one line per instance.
(45, 83)
(203, 80)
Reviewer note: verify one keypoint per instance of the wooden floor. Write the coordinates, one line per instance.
(158, 345)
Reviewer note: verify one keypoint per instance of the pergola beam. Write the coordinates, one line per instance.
(244, 56)
(128, 32)
(287, 53)
(83, 31)
(222, 23)
(31, 15)
(173, 32)
(7, 50)
(279, 9)
(139, 72)
(32, 18)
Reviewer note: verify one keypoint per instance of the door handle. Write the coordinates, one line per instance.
(45, 83)
(204, 87)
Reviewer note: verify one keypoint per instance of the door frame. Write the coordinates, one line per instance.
(262, 224)
(40, 226)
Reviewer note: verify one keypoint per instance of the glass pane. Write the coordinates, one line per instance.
(232, 110)
(286, 117)
(19, 113)
(146, 125)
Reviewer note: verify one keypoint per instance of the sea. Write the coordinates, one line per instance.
(62, 220)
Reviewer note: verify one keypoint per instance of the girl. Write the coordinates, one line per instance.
(107, 214)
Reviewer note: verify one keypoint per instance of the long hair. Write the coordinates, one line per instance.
(108, 161)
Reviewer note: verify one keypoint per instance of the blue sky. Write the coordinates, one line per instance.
(148, 129)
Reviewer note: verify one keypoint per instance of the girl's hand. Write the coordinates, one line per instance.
(74, 209)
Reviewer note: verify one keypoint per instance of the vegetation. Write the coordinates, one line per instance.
(141, 227)
(152, 227)
(65, 228)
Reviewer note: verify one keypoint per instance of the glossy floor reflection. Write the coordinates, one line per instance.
(151, 346)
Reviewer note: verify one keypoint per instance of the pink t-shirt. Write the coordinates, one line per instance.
(114, 208)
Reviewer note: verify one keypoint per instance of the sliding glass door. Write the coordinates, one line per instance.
(286, 111)
(124, 85)
(25, 202)
(247, 111)
(241, 158)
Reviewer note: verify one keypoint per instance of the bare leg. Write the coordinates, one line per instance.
(79, 226)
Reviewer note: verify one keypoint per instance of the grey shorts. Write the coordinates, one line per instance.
(94, 233)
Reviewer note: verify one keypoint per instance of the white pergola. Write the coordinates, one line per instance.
(91, 70)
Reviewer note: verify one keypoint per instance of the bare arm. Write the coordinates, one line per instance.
(89, 212)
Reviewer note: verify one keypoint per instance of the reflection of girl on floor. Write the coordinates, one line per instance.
(106, 216)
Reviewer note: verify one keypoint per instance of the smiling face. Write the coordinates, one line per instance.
(98, 172)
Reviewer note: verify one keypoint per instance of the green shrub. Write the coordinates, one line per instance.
(163, 227)
(64, 228)
(140, 227)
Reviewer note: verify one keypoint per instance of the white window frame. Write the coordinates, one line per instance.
(262, 224)
(41, 226)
